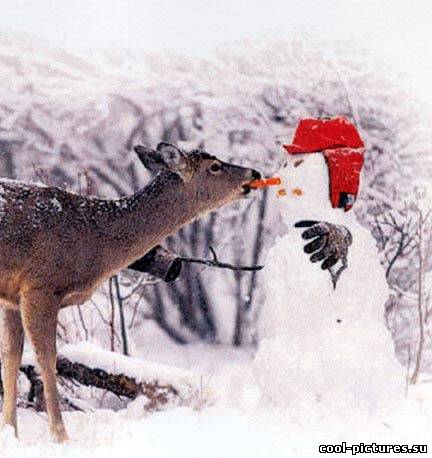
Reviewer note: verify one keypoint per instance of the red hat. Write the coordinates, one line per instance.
(343, 149)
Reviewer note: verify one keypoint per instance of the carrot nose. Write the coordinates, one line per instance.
(273, 181)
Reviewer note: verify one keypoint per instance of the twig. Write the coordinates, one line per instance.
(421, 305)
(408, 369)
(216, 263)
(72, 404)
(112, 318)
(335, 275)
(122, 316)
(81, 317)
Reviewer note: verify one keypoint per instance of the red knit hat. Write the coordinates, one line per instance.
(343, 149)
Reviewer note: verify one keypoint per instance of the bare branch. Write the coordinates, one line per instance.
(216, 263)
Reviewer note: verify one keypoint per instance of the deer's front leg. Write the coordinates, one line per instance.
(11, 339)
(39, 316)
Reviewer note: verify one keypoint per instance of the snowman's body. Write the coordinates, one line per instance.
(319, 344)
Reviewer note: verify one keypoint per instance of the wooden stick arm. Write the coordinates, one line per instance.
(166, 265)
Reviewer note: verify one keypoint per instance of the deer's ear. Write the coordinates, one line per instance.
(150, 158)
(173, 157)
(165, 157)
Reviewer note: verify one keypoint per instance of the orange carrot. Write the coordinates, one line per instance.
(273, 181)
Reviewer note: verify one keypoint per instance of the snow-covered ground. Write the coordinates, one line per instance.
(182, 432)
(238, 423)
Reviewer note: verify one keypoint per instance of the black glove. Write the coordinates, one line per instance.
(331, 242)
(160, 263)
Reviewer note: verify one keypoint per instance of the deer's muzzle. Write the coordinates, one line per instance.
(255, 175)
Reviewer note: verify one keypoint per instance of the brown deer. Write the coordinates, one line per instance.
(57, 247)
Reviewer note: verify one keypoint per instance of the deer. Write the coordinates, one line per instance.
(58, 247)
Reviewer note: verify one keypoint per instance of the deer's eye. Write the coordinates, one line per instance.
(215, 167)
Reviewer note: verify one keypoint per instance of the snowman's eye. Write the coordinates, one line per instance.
(297, 163)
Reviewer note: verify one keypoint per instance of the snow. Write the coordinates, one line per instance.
(228, 428)
(22, 184)
(169, 434)
(56, 204)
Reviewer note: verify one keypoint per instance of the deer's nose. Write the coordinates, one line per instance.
(256, 175)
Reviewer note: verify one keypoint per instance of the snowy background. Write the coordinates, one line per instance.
(80, 86)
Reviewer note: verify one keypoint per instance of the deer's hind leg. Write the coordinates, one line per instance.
(11, 339)
(39, 316)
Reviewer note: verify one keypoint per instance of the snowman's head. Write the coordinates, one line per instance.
(306, 180)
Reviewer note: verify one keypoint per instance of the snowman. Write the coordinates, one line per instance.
(324, 346)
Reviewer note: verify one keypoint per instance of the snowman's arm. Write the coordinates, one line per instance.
(164, 264)
(330, 242)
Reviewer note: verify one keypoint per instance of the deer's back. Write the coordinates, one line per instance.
(47, 239)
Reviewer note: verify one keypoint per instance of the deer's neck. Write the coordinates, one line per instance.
(144, 219)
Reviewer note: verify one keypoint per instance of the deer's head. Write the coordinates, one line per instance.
(207, 179)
